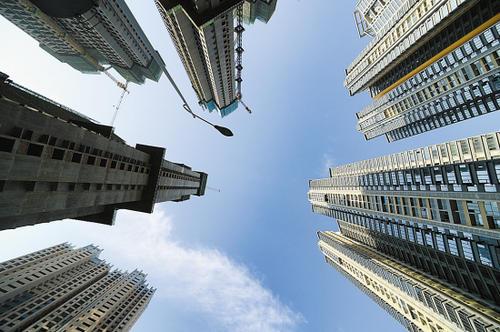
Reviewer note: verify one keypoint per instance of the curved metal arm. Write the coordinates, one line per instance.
(223, 130)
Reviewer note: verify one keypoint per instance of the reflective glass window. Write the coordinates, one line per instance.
(484, 254)
(452, 244)
(467, 248)
(482, 173)
(440, 242)
(465, 174)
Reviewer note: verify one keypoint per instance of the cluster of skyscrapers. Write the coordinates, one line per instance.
(56, 163)
(419, 231)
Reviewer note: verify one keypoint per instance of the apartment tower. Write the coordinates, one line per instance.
(434, 210)
(56, 163)
(430, 64)
(416, 301)
(208, 37)
(65, 289)
(88, 35)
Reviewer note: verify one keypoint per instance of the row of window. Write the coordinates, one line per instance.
(465, 274)
(33, 257)
(127, 27)
(336, 263)
(452, 70)
(466, 150)
(475, 108)
(401, 36)
(127, 308)
(67, 283)
(42, 270)
(384, 13)
(68, 310)
(486, 173)
(462, 212)
(412, 289)
(33, 186)
(43, 139)
(91, 160)
(469, 20)
(38, 150)
(454, 89)
(446, 73)
(388, 296)
(107, 305)
(449, 242)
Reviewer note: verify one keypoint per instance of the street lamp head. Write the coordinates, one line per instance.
(224, 131)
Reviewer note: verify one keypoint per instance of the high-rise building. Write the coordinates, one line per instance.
(66, 289)
(430, 64)
(435, 209)
(418, 302)
(88, 35)
(261, 10)
(208, 37)
(57, 164)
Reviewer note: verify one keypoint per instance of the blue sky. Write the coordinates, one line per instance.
(244, 259)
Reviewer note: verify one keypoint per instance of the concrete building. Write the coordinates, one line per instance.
(65, 289)
(88, 35)
(208, 37)
(430, 64)
(435, 209)
(261, 10)
(57, 164)
(418, 302)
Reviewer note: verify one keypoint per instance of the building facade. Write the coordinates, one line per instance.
(419, 303)
(207, 35)
(430, 64)
(435, 209)
(65, 289)
(88, 35)
(261, 10)
(57, 164)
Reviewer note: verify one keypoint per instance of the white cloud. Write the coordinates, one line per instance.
(206, 280)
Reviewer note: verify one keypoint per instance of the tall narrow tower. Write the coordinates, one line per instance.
(88, 35)
(430, 64)
(57, 164)
(434, 210)
(66, 289)
(208, 37)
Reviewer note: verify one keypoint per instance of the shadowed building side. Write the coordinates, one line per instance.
(57, 164)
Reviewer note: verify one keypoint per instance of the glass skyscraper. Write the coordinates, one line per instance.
(430, 64)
